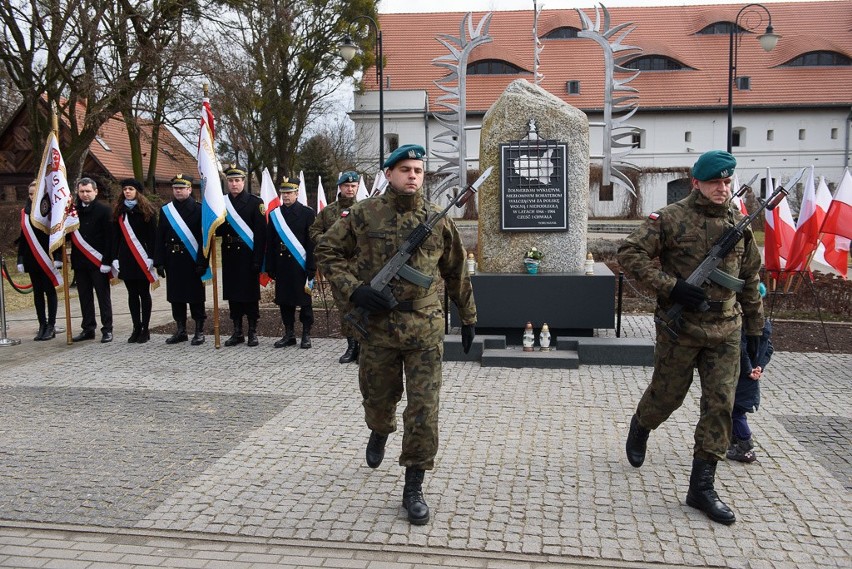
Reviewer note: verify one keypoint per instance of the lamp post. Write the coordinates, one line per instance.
(347, 51)
(767, 42)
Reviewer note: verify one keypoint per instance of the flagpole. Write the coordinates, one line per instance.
(216, 341)
(65, 287)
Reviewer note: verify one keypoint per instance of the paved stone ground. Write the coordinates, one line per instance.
(262, 449)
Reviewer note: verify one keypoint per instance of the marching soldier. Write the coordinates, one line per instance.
(290, 261)
(179, 258)
(680, 235)
(347, 187)
(243, 247)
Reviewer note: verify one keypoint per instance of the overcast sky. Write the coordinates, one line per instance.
(396, 6)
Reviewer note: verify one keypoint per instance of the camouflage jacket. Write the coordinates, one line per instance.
(326, 218)
(680, 235)
(355, 248)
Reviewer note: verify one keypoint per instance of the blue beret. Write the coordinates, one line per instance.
(405, 152)
(713, 165)
(348, 176)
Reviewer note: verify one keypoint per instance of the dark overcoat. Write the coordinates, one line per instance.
(747, 399)
(96, 228)
(146, 232)
(282, 266)
(183, 272)
(240, 264)
(25, 255)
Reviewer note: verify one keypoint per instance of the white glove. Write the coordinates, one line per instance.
(105, 268)
(115, 265)
(20, 268)
(57, 264)
(149, 263)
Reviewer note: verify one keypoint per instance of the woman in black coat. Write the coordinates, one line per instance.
(44, 290)
(134, 211)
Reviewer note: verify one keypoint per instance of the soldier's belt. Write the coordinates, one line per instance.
(417, 303)
(722, 278)
(721, 305)
(235, 239)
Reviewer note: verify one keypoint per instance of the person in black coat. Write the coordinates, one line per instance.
(291, 288)
(44, 290)
(92, 239)
(242, 260)
(178, 263)
(747, 397)
(137, 214)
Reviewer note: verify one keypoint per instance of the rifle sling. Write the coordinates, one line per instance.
(722, 278)
(414, 276)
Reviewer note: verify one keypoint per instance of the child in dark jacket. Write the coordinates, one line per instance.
(747, 399)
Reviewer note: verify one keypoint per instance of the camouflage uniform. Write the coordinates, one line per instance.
(325, 219)
(680, 235)
(350, 253)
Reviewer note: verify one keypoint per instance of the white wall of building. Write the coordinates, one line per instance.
(783, 140)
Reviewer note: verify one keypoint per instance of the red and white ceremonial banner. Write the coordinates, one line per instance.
(271, 202)
(811, 215)
(53, 203)
(838, 218)
(771, 244)
(321, 199)
(302, 197)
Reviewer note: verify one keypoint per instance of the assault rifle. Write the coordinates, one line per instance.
(708, 269)
(397, 268)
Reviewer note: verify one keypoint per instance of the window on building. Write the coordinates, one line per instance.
(819, 59)
(834, 134)
(392, 142)
(493, 67)
(655, 63)
(687, 136)
(801, 134)
(743, 83)
(572, 87)
(637, 139)
(720, 29)
(738, 137)
(563, 33)
(770, 135)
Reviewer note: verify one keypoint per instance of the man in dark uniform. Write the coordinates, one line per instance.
(347, 187)
(91, 258)
(680, 235)
(179, 258)
(290, 261)
(409, 338)
(243, 247)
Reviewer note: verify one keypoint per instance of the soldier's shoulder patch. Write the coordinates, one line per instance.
(655, 215)
(344, 213)
(262, 207)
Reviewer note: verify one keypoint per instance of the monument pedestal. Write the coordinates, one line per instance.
(572, 304)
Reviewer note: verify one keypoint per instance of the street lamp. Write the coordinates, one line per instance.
(767, 42)
(347, 52)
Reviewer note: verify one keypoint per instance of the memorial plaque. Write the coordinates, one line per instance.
(534, 185)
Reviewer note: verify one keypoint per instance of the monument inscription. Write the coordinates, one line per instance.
(534, 185)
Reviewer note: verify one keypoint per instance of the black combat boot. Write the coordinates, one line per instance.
(351, 353)
(237, 336)
(376, 449)
(179, 335)
(42, 328)
(412, 497)
(198, 338)
(637, 442)
(289, 338)
(252, 333)
(134, 336)
(49, 332)
(702, 496)
(144, 335)
(306, 337)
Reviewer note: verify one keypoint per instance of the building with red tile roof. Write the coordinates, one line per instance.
(792, 108)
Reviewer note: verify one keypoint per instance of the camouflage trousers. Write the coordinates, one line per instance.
(718, 369)
(380, 377)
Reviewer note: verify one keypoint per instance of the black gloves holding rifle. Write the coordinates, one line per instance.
(468, 332)
(752, 343)
(688, 295)
(370, 299)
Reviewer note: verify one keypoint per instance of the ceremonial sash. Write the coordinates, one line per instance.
(186, 236)
(238, 224)
(38, 252)
(289, 238)
(136, 248)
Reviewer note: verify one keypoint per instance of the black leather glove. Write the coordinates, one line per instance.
(161, 271)
(468, 333)
(369, 299)
(688, 295)
(752, 343)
